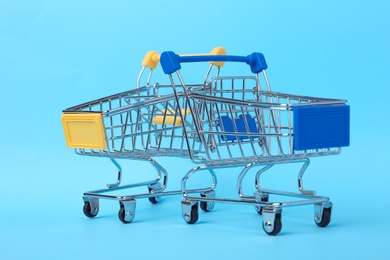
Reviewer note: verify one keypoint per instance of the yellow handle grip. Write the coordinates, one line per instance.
(171, 117)
(218, 51)
(151, 59)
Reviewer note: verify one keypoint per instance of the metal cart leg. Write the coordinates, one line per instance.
(300, 179)
(126, 213)
(119, 179)
(190, 204)
(261, 197)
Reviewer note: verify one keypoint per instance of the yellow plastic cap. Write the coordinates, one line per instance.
(151, 59)
(218, 51)
(84, 131)
(170, 117)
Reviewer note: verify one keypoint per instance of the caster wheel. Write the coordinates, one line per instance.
(194, 215)
(153, 200)
(122, 216)
(190, 215)
(274, 228)
(206, 206)
(126, 212)
(88, 211)
(325, 219)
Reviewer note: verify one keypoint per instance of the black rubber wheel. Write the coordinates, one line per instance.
(277, 226)
(194, 214)
(122, 214)
(203, 206)
(325, 218)
(153, 200)
(87, 210)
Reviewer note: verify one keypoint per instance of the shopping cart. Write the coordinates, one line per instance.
(139, 124)
(233, 122)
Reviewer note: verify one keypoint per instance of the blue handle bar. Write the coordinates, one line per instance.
(170, 62)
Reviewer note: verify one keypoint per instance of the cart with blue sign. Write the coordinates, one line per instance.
(238, 123)
(222, 122)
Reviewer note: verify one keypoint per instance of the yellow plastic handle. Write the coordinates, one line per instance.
(151, 60)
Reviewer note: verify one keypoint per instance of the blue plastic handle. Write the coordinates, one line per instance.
(170, 61)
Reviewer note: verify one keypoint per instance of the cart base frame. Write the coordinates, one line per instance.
(270, 210)
(156, 188)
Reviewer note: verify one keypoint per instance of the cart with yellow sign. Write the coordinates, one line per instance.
(139, 124)
(223, 122)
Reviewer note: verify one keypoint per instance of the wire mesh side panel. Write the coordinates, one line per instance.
(115, 101)
(144, 127)
(233, 87)
(235, 127)
(238, 132)
(241, 123)
(153, 128)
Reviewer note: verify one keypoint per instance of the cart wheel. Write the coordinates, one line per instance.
(87, 210)
(153, 200)
(122, 215)
(126, 212)
(259, 209)
(193, 216)
(206, 206)
(325, 220)
(277, 226)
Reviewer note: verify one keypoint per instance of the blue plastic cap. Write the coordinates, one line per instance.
(170, 62)
(257, 62)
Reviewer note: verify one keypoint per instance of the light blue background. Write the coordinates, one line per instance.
(56, 54)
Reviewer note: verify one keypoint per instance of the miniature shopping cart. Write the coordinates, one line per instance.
(225, 121)
(234, 122)
(139, 124)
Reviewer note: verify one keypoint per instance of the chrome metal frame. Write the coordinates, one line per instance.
(272, 112)
(196, 132)
(127, 116)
